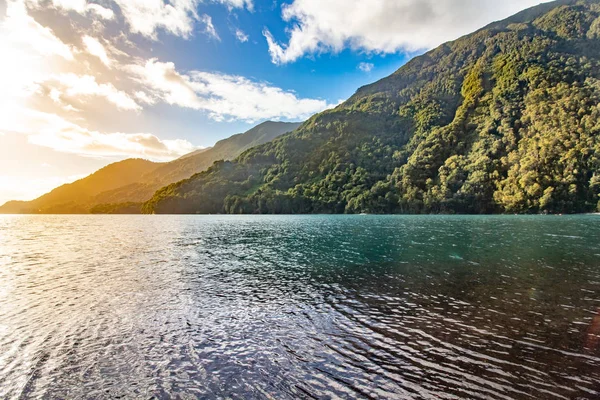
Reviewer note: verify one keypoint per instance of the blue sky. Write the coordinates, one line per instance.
(332, 77)
(89, 82)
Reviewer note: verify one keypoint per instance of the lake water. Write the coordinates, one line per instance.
(284, 307)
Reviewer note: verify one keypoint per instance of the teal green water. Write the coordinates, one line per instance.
(497, 307)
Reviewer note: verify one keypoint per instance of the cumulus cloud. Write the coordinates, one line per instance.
(223, 96)
(95, 48)
(176, 17)
(381, 26)
(366, 67)
(241, 36)
(52, 131)
(80, 86)
(166, 83)
(147, 16)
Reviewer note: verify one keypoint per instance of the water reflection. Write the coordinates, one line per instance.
(287, 307)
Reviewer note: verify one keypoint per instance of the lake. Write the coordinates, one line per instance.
(285, 307)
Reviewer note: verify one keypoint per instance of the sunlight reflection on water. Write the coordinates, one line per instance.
(323, 306)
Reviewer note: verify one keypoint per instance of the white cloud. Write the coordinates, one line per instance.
(249, 4)
(29, 52)
(77, 140)
(69, 5)
(79, 6)
(166, 83)
(209, 28)
(223, 96)
(69, 107)
(382, 26)
(366, 67)
(95, 48)
(55, 95)
(23, 33)
(147, 16)
(241, 36)
(144, 97)
(105, 13)
(52, 131)
(79, 86)
(176, 17)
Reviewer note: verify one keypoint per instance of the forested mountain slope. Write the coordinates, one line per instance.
(506, 119)
(116, 187)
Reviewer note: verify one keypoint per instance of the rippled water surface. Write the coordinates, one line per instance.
(299, 307)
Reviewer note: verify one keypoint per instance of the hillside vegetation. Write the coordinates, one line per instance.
(122, 187)
(505, 120)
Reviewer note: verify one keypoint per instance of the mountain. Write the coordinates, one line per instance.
(119, 186)
(74, 197)
(505, 120)
(226, 149)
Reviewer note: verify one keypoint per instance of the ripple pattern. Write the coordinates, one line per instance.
(281, 307)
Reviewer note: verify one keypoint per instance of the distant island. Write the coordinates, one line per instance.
(505, 120)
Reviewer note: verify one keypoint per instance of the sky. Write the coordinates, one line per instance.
(87, 83)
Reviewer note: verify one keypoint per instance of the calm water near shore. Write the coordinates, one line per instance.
(285, 307)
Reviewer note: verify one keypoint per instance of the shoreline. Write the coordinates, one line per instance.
(315, 214)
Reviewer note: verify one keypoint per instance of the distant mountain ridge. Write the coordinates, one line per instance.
(225, 149)
(117, 186)
(505, 120)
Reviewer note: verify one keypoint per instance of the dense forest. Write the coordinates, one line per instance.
(123, 186)
(505, 120)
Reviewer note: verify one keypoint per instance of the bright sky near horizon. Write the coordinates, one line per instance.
(85, 83)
